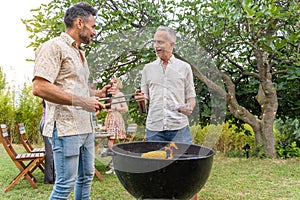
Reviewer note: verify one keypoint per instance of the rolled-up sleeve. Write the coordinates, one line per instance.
(189, 84)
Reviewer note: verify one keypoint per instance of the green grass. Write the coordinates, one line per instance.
(230, 179)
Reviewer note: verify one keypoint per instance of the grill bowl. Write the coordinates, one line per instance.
(151, 178)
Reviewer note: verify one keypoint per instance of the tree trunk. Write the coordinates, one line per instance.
(267, 99)
(264, 137)
(263, 128)
(263, 125)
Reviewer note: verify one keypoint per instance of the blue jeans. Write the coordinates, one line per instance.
(182, 135)
(74, 165)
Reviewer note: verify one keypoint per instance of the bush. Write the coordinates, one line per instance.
(223, 138)
(288, 150)
(287, 136)
(231, 140)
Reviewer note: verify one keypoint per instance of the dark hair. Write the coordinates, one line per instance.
(81, 9)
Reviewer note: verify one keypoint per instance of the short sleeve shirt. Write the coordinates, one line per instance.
(59, 61)
(165, 89)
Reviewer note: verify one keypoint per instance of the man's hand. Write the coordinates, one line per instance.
(91, 104)
(139, 95)
(185, 109)
(106, 89)
(98, 110)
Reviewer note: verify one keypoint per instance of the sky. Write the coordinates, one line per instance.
(14, 40)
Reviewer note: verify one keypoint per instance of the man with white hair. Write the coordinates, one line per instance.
(167, 85)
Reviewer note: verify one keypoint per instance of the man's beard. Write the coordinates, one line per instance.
(86, 39)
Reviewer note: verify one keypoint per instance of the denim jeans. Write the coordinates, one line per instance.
(182, 135)
(74, 165)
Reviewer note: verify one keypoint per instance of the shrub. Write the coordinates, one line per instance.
(223, 138)
(288, 150)
(287, 136)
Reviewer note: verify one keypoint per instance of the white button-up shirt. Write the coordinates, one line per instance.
(166, 88)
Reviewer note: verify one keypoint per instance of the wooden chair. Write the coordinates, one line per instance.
(100, 137)
(26, 163)
(131, 132)
(25, 142)
(130, 135)
(27, 145)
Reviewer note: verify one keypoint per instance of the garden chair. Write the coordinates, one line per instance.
(131, 132)
(100, 137)
(25, 142)
(130, 135)
(26, 163)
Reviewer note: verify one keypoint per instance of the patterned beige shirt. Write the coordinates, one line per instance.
(58, 61)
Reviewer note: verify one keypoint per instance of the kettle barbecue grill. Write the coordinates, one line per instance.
(150, 178)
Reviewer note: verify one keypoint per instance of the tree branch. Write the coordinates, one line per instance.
(279, 72)
(241, 69)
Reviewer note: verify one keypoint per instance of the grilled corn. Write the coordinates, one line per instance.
(155, 154)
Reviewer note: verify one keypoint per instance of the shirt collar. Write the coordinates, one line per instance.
(170, 61)
(69, 40)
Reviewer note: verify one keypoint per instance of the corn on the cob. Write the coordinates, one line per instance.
(155, 154)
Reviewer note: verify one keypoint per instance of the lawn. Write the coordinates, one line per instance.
(230, 179)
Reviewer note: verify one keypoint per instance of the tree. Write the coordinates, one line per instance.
(2, 80)
(253, 44)
(6, 104)
(29, 111)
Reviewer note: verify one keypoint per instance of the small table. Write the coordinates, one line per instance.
(101, 136)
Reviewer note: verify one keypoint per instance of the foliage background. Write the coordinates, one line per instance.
(25, 108)
(112, 55)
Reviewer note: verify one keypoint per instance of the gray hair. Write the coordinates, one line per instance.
(81, 9)
(170, 31)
